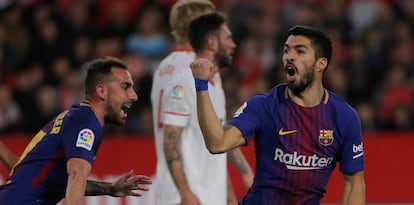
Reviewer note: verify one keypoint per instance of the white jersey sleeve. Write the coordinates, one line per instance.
(179, 99)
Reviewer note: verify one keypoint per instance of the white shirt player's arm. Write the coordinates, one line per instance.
(175, 112)
(237, 159)
(171, 147)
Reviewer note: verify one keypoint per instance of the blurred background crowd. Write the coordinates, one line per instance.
(43, 45)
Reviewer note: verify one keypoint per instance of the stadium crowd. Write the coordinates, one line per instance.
(44, 43)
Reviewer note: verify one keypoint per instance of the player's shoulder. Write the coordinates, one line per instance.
(78, 117)
(178, 59)
(172, 65)
(81, 114)
(340, 105)
(277, 93)
(337, 101)
(269, 98)
(83, 109)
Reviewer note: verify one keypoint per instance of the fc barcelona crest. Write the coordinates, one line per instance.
(326, 137)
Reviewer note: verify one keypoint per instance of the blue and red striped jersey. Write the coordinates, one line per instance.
(297, 148)
(40, 175)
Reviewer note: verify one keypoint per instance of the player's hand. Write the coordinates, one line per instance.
(129, 183)
(202, 69)
(189, 199)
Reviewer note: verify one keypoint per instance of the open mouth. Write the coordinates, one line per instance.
(290, 69)
(125, 109)
(291, 72)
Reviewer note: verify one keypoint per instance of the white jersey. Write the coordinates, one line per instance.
(173, 98)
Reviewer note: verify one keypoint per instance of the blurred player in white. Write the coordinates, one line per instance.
(186, 172)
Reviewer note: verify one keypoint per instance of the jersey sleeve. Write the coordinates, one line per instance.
(179, 101)
(247, 118)
(81, 140)
(352, 159)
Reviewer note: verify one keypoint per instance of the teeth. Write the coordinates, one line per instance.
(124, 109)
(290, 69)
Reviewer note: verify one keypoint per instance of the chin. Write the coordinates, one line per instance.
(115, 121)
(290, 84)
(120, 122)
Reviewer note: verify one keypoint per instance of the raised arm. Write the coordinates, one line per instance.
(171, 146)
(217, 139)
(7, 157)
(354, 189)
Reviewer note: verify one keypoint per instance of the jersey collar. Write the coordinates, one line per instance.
(325, 96)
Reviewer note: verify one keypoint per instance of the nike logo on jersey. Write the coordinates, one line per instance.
(282, 132)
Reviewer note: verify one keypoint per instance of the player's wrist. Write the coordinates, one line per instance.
(200, 84)
(112, 189)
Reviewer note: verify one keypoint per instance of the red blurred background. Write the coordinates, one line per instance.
(389, 168)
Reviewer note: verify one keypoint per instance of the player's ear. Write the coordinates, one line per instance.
(212, 42)
(321, 64)
(101, 91)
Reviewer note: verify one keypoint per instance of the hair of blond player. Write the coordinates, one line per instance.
(181, 14)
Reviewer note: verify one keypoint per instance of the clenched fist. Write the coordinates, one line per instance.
(203, 69)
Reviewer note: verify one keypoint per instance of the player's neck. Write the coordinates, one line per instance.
(183, 46)
(98, 112)
(310, 97)
(207, 54)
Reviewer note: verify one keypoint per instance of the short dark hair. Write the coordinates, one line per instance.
(203, 26)
(320, 41)
(99, 71)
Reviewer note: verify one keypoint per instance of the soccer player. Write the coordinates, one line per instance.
(301, 130)
(58, 160)
(186, 172)
(7, 157)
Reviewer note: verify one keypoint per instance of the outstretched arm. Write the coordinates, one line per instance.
(124, 186)
(78, 185)
(354, 189)
(7, 157)
(216, 138)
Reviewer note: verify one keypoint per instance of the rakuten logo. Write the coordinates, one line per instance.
(295, 161)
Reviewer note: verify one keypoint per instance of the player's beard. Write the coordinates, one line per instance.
(304, 82)
(112, 116)
(222, 59)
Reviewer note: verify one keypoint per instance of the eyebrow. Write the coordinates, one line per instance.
(297, 46)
